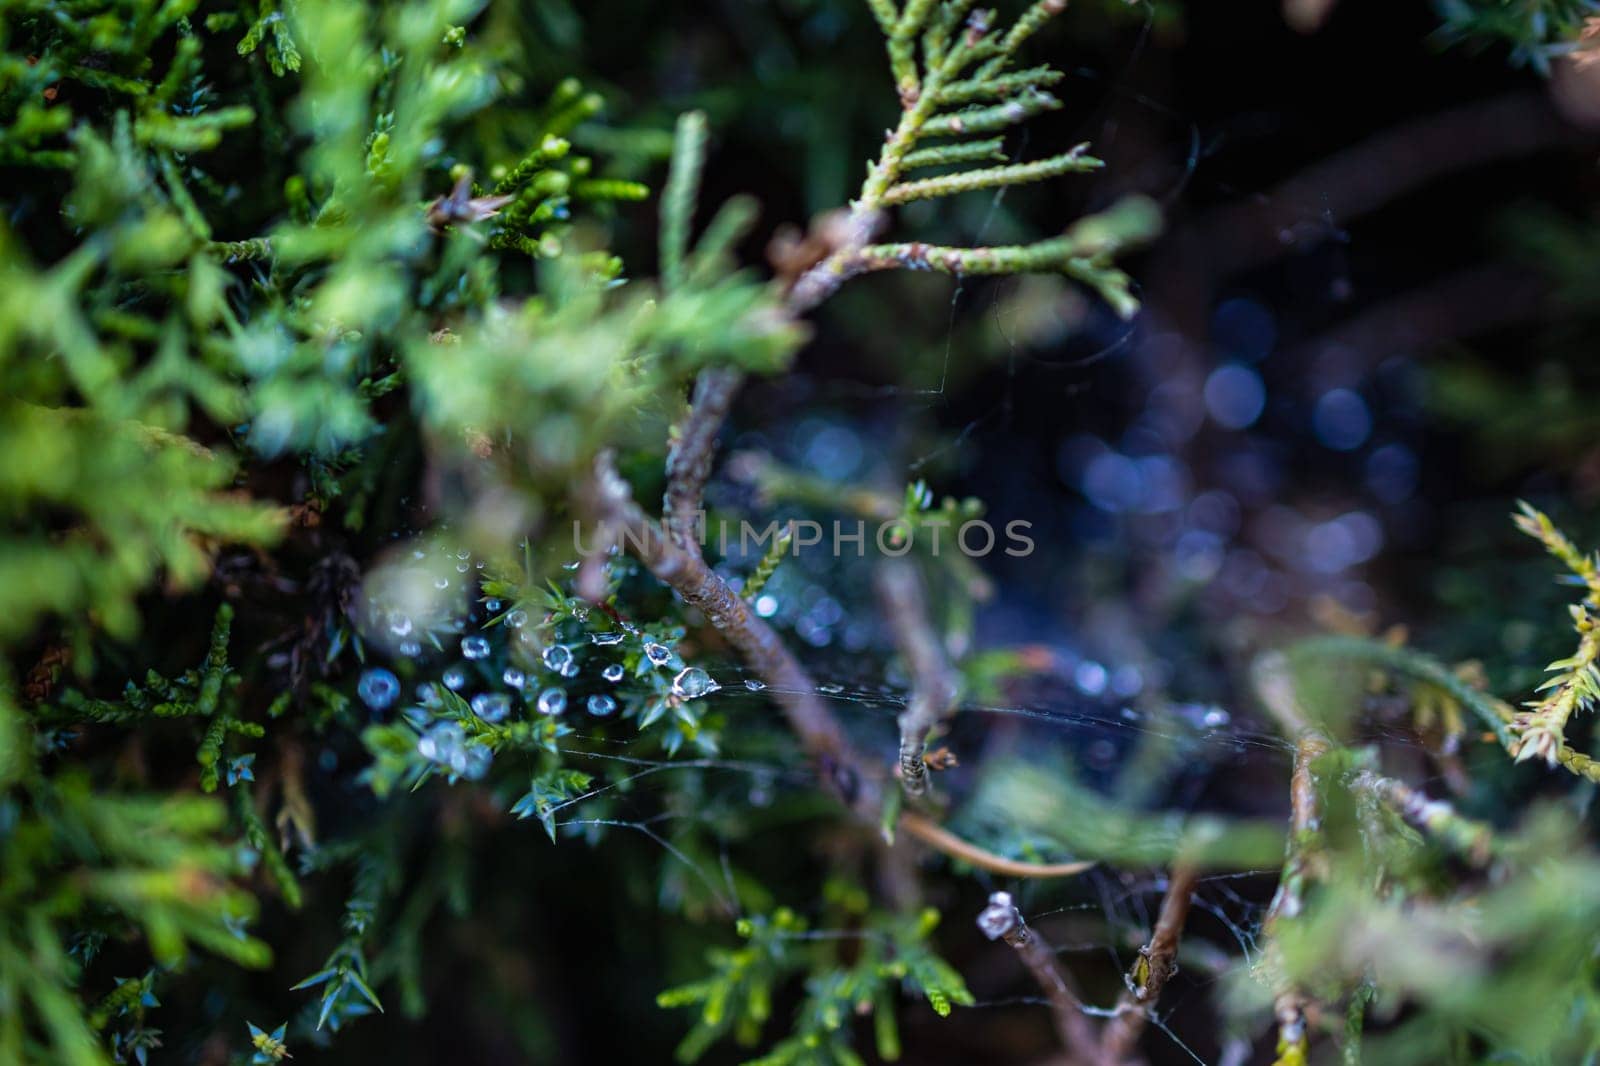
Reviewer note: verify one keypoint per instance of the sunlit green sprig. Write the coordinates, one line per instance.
(1073, 162)
(940, 83)
(1540, 730)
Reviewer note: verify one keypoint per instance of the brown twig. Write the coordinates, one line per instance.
(1303, 862)
(1001, 920)
(934, 684)
(1157, 962)
(940, 838)
(693, 446)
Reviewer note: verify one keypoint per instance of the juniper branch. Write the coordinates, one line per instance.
(1084, 252)
(945, 155)
(677, 200)
(768, 566)
(1075, 161)
(991, 119)
(1471, 839)
(947, 57)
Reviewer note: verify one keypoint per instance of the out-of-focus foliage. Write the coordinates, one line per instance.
(1535, 31)
(259, 264)
(1414, 912)
(891, 951)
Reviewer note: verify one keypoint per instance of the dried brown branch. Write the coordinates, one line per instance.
(1302, 865)
(1001, 920)
(940, 838)
(684, 569)
(693, 448)
(934, 684)
(1157, 962)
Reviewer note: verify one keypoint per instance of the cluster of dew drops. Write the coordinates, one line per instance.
(493, 692)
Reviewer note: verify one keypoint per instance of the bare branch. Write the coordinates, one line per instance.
(937, 836)
(1001, 920)
(1304, 861)
(684, 569)
(934, 684)
(693, 447)
(1157, 962)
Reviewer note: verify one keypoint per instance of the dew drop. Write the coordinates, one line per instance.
(378, 688)
(410, 649)
(605, 639)
(473, 762)
(552, 701)
(475, 646)
(441, 583)
(517, 619)
(754, 685)
(1216, 718)
(558, 657)
(1090, 677)
(613, 673)
(454, 678)
(491, 605)
(830, 689)
(491, 706)
(602, 706)
(692, 683)
(513, 677)
(442, 743)
(659, 654)
(400, 625)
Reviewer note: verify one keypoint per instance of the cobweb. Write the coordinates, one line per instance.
(1089, 709)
